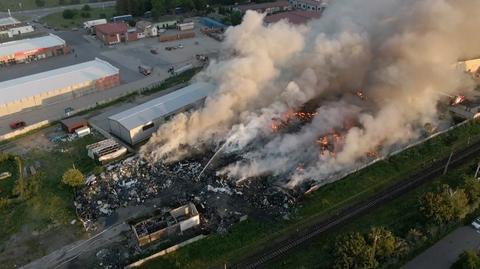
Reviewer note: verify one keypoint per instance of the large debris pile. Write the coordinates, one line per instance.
(221, 203)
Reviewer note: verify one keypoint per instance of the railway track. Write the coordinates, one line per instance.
(282, 248)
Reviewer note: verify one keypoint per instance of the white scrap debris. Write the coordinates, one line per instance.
(219, 189)
(90, 179)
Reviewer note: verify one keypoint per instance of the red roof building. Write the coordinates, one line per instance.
(114, 33)
(293, 17)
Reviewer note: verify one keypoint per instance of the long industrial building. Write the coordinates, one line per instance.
(31, 49)
(139, 123)
(56, 85)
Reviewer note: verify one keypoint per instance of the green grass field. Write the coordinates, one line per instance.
(56, 20)
(17, 5)
(248, 237)
(49, 201)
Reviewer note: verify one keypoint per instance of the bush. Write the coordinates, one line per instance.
(73, 178)
(68, 14)
(85, 15)
(86, 8)
(467, 260)
(40, 3)
(4, 203)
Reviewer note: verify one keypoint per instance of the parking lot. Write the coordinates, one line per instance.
(126, 56)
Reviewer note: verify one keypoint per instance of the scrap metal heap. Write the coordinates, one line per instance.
(221, 203)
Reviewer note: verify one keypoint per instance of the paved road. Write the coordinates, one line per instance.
(445, 252)
(63, 256)
(38, 13)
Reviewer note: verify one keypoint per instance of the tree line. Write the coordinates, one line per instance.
(439, 211)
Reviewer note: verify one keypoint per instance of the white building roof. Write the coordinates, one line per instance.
(8, 21)
(41, 83)
(29, 44)
(163, 106)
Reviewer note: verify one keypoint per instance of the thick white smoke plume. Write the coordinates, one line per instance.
(401, 54)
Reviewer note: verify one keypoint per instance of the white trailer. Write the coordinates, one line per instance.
(84, 131)
(184, 26)
(90, 24)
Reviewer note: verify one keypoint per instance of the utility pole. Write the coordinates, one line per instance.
(448, 162)
(476, 172)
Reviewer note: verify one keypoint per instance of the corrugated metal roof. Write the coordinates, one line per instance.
(163, 106)
(33, 85)
(29, 44)
(8, 21)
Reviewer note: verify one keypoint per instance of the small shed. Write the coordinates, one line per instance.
(73, 123)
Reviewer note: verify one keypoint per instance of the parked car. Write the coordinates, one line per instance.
(154, 51)
(476, 223)
(180, 46)
(17, 125)
(69, 111)
(145, 69)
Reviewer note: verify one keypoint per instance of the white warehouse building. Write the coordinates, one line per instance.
(10, 27)
(26, 93)
(139, 123)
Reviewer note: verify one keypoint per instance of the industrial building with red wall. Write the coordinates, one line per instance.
(32, 49)
(114, 33)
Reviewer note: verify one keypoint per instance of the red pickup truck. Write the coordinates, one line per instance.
(17, 125)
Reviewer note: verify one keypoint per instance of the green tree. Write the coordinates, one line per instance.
(159, 8)
(85, 14)
(383, 242)
(445, 206)
(459, 202)
(467, 260)
(62, 2)
(86, 8)
(352, 251)
(68, 14)
(200, 4)
(40, 3)
(472, 189)
(236, 18)
(73, 178)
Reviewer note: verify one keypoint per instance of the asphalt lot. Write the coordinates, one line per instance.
(446, 251)
(126, 57)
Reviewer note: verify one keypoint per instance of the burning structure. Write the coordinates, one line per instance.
(170, 223)
(398, 53)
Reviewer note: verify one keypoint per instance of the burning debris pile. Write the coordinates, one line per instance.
(134, 181)
(383, 64)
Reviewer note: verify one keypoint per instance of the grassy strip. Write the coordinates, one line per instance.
(254, 235)
(56, 20)
(399, 216)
